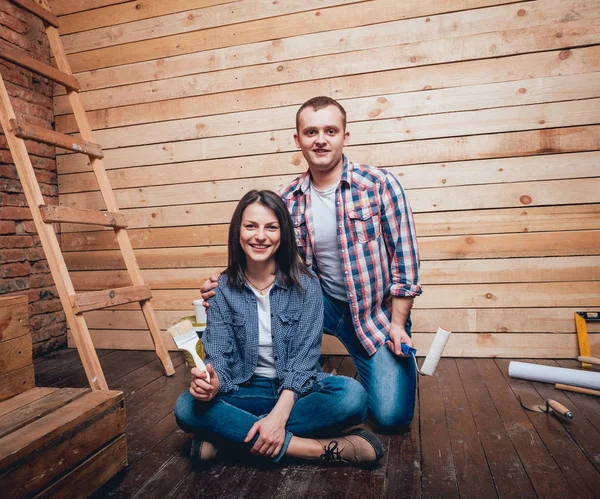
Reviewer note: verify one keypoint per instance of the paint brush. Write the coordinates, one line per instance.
(186, 339)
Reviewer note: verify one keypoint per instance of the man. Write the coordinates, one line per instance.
(354, 226)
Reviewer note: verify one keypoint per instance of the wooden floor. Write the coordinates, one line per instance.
(470, 438)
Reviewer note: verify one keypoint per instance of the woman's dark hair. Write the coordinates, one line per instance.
(287, 260)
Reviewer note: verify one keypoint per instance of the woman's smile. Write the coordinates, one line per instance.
(260, 233)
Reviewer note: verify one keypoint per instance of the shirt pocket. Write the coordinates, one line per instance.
(299, 221)
(365, 223)
(237, 325)
(289, 323)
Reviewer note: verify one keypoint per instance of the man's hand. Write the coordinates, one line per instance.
(201, 389)
(206, 291)
(398, 336)
(271, 430)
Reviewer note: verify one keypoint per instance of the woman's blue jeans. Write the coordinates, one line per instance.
(390, 381)
(334, 403)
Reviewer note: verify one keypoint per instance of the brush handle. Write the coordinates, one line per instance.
(198, 361)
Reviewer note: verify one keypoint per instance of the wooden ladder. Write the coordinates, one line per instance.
(74, 304)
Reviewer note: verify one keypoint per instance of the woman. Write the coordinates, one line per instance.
(265, 390)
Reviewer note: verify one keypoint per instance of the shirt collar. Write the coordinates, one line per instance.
(304, 180)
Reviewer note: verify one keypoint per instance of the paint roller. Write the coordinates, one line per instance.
(433, 356)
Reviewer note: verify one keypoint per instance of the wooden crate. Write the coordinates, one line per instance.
(53, 442)
(16, 362)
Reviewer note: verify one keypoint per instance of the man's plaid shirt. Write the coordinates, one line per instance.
(376, 239)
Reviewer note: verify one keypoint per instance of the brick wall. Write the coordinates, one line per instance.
(23, 267)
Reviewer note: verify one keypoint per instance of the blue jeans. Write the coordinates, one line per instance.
(334, 403)
(390, 381)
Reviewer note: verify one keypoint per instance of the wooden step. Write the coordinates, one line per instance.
(51, 213)
(39, 11)
(37, 454)
(40, 134)
(94, 300)
(37, 409)
(68, 81)
(92, 473)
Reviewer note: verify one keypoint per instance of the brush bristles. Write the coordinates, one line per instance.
(180, 328)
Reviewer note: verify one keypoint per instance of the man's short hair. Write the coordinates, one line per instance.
(317, 103)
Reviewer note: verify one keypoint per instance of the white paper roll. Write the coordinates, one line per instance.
(435, 351)
(549, 374)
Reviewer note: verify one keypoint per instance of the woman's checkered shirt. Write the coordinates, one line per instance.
(231, 336)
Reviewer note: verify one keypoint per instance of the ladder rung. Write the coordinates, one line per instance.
(94, 300)
(51, 213)
(33, 132)
(69, 81)
(39, 11)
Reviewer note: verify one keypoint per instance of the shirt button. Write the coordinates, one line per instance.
(340, 225)
(350, 295)
(346, 272)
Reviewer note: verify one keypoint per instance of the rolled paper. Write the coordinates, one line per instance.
(550, 374)
(435, 351)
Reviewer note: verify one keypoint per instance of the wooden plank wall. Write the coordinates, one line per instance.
(487, 110)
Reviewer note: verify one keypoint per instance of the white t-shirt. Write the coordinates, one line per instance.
(326, 248)
(266, 362)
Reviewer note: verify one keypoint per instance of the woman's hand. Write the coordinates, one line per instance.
(271, 435)
(201, 389)
(271, 429)
(206, 291)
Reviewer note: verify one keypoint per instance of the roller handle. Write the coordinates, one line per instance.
(589, 360)
(558, 407)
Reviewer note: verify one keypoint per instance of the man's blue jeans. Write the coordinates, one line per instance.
(334, 403)
(390, 381)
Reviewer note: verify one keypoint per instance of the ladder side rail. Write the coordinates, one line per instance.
(49, 241)
(110, 201)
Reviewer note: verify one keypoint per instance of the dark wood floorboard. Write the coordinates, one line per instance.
(584, 434)
(472, 470)
(544, 473)
(470, 438)
(589, 406)
(437, 463)
(510, 477)
(581, 476)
